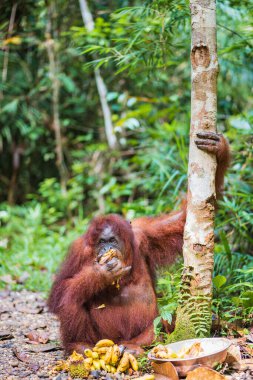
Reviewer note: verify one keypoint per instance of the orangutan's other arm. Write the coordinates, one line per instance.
(160, 238)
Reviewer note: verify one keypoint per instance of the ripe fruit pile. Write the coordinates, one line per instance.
(105, 356)
(165, 352)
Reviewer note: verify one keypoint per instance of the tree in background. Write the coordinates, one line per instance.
(145, 50)
(102, 90)
(194, 311)
(51, 46)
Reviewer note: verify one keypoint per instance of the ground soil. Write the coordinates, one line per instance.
(20, 358)
(29, 339)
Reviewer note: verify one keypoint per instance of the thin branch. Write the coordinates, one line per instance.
(235, 33)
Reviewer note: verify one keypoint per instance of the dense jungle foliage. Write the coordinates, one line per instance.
(142, 51)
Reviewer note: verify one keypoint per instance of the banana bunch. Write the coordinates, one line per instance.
(110, 357)
(105, 356)
(78, 366)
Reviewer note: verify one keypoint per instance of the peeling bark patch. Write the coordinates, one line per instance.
(195, 282)
(209, 121)
(198, 247)
(200, 56)
(205, 3)
(200, 94)
(211, 201)
(197, 169)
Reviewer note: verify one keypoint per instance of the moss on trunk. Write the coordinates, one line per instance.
(184, 327)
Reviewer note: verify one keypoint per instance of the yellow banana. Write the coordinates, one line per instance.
(115, 354)
(87, 367)
(88, 363)
(108, 356)
(104, 343)
(88, 360)
(95, 355)
(96, 364)
(113, 369)
(100, 350)
(133, 362)
(108, 368)
(124, 363)
(102, 364)
(88, 353)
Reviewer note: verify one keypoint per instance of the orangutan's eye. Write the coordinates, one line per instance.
(102, 241)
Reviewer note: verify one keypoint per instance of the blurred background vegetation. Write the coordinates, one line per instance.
(57, 167)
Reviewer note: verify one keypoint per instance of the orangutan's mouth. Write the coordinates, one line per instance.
(108, 254)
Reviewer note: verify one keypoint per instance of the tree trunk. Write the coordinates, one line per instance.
(102, 91)
(194, 310)
(6, 49)
(17, 151)
(98, 169)
(53, 72)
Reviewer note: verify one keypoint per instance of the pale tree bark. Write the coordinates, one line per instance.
(7, 49)
(53, 72)
(102, 90)
(194, 311)
(98, 169)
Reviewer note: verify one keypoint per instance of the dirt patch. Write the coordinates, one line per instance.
(29, 337)
(29, 340)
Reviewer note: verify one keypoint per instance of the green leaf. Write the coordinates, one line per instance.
(67, 82)
(166, 315)
(108, 186)
(11, 107)
(156, 322)
(247, 298)
(236, 301)
(219, 281)
(226, 245)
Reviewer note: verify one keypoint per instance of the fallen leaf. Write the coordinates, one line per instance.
(38, 336)
(22, 356)
(44, 347)
(34, 367)
(248, 349)
(4, 335)
(161, 377)
(250, 337)
(244, 365)
(28, 310)
(233, 354)
(25, 358)
(243, 332)
(166, 369)
(204, 373)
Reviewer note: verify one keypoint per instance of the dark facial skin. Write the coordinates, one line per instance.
(113, 268)
(108, 240)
